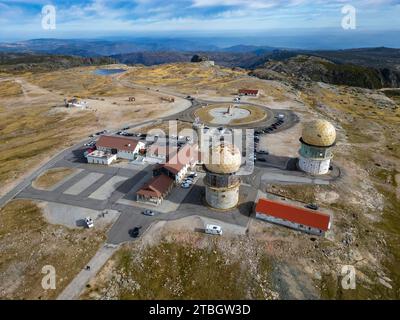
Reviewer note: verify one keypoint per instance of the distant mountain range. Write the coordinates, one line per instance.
(90, 48)
(376, 67)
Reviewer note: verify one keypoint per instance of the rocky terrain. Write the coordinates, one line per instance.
(311, 68)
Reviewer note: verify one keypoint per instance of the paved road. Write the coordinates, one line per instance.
(27, 181)
(65, 154)
(291, 118)
(130, 216)
(76, 287)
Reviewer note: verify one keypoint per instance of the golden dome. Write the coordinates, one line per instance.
(224, 158)
(319, 133)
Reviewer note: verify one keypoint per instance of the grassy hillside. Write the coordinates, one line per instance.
(24, 62)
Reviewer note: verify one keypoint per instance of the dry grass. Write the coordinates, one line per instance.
(10, 89)
(28, 243)
(29, 134)
(186, 77)
(368, 151)
(51, 177)
(198, 79)
(81, 82)
(179, 270)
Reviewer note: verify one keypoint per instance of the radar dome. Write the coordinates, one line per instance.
(224, 159)
(319, 133)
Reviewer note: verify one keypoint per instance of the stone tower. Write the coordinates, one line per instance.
(317, 141)
(221, 182)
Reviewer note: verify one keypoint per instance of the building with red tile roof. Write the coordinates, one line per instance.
(178, 165)
(248, 92)
(298, 218)
(124, 147)
(155, 190)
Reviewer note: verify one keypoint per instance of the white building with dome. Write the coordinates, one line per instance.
(317, 141)
(221, 182)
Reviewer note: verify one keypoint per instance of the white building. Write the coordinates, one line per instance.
(179, 165)
(123, 147)
(75, 103)
(302, 219)
(160, 152)
(101, 157)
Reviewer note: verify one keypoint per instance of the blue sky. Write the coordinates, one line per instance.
(21, 19)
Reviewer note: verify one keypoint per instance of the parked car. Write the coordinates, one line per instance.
(263, 152)
(312, 206)
(213, 229)
(89, 222)
(262, 160)
(134, 233)
(185, 186)
(149, 213)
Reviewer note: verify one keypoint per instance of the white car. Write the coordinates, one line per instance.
(148, 213)
(213, 229)
(89, 222)
(185, 185)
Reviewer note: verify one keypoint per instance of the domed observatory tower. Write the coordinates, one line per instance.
(317, 141)
(222, 183)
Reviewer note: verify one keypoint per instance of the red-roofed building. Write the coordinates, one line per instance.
(177, 166)
(155, 190)
(298, 218)
(248, 92)
(124, 147)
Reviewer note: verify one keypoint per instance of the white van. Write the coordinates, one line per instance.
(213, 229)
(89, 222)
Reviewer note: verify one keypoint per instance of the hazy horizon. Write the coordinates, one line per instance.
(292, 39)
(301, 24)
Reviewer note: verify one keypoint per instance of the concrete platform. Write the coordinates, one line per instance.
(107, 189)
(83, 184)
